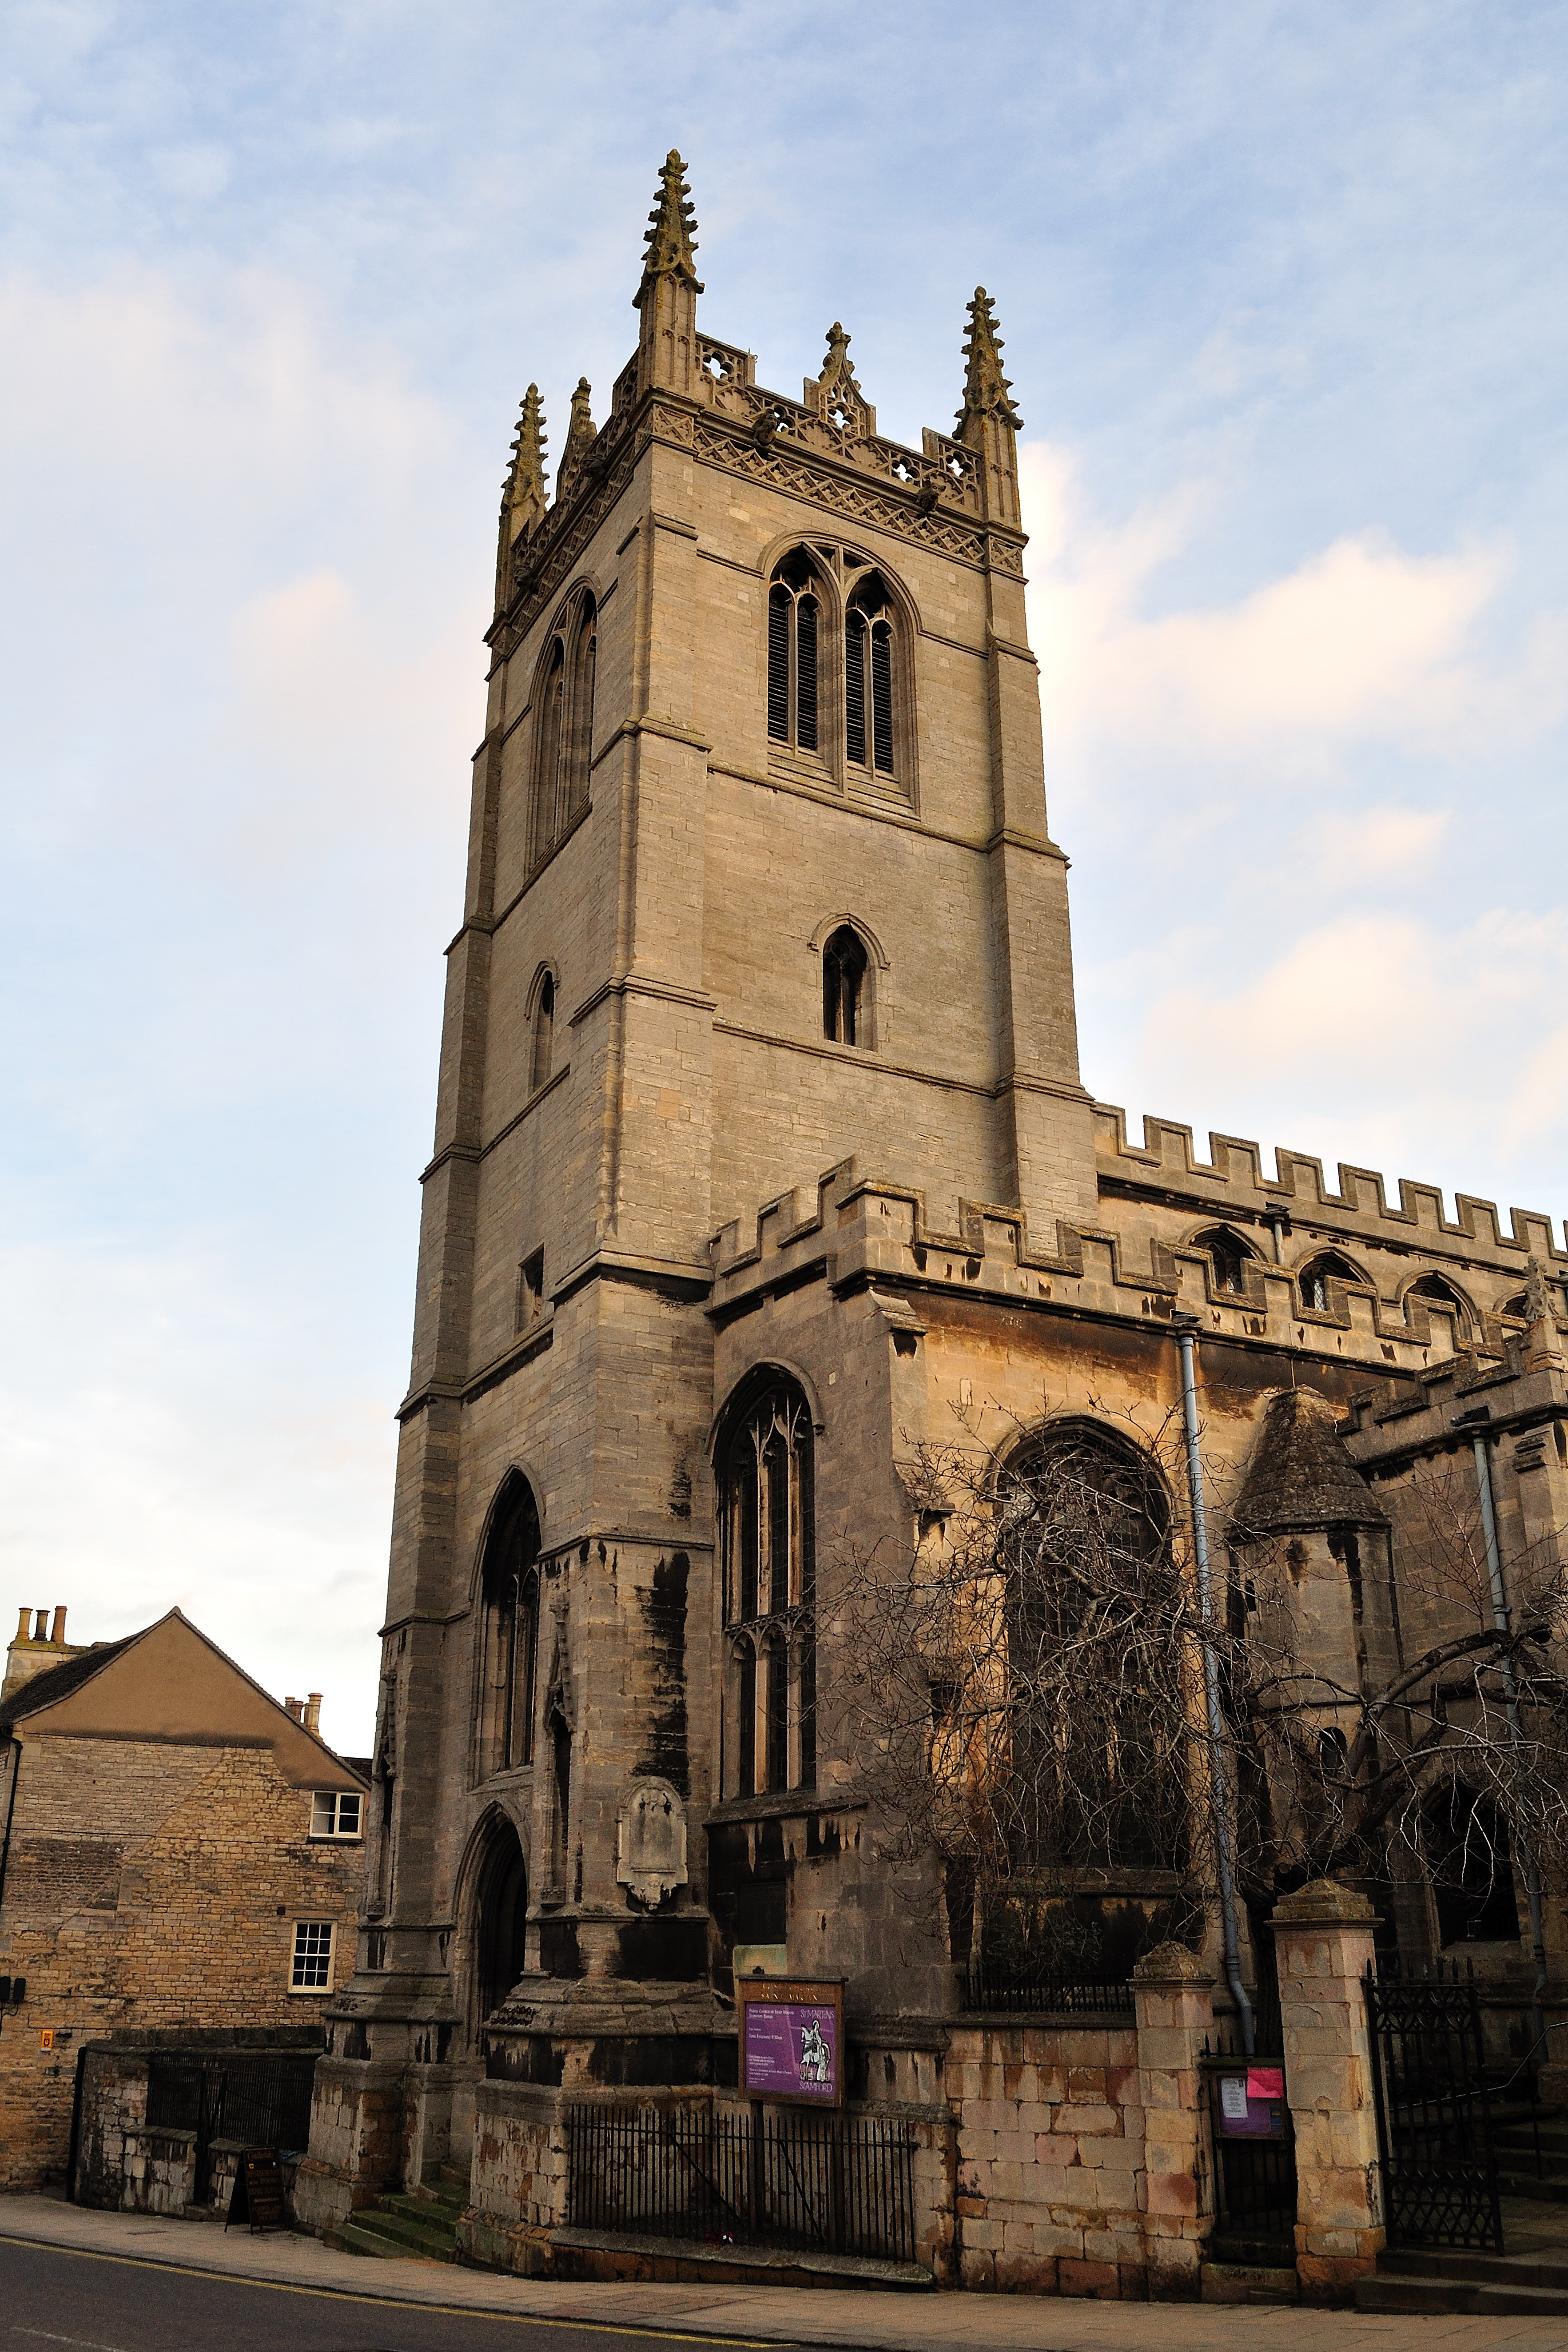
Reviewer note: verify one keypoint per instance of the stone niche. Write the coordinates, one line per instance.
(650, 1843)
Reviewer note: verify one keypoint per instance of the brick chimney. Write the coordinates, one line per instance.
(313, 1713)
(296, 1708)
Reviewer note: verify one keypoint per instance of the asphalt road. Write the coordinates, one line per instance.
(52, 2301)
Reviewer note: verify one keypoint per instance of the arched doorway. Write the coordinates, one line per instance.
(500, 1919)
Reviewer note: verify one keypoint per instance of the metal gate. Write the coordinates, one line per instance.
(1439, 2160)
(1254, 2154)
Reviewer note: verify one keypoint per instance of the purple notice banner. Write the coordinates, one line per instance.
(792, 2049)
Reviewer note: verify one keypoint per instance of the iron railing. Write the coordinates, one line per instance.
(990, 1988)
(261, 2098)
(829, 2182)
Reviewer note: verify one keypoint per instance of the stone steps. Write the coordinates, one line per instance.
(1489, 2286)
(417, 2224)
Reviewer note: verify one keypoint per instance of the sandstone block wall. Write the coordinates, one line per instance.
(150, 1885)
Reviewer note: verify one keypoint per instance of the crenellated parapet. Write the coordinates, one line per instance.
(852, 1231)
(1232, 1182)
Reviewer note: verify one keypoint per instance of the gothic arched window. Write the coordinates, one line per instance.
(509, 1631)
(1312, 1279)
(543, 1032)
(564, 734)
(845, 965)
(1228, 1254)
(769, 1572)
(868, 721)
(1442, 1293)
(1093, 1780)
(794, 615)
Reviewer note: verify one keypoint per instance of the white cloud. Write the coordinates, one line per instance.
(1361, 642)
(1375, 845)
(1381, 1039)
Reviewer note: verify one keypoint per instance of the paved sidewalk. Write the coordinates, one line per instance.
(758, 2314)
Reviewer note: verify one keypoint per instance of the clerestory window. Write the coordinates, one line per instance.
(1312, 1279)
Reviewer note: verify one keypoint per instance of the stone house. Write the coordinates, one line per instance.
(180, 1855)
(761, 1152)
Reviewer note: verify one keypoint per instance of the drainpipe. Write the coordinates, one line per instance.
(1184, 1327)
(10, 1808)
(1503, 1618)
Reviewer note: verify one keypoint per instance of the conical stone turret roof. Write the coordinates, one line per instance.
(1299, 1475)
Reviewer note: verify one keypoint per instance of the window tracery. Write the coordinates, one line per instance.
(766, 1511)
(839, 670)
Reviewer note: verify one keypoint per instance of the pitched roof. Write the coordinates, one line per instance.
(58, 1682)
(1299, 1475)
(171, 1692)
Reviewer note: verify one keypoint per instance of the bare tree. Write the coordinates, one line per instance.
(1021, 1692)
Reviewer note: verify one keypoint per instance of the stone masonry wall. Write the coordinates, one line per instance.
(150, 1885)
(1051, 2158)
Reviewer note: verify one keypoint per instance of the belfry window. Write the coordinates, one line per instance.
(844, 968)
(869, 678)
(563, 735)
(795, 614)
(769, 1571)
(508, 1643)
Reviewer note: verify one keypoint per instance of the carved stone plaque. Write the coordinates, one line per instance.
(650, 1842)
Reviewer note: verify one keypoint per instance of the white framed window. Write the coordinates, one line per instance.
(337, 1814)
(312, 1956)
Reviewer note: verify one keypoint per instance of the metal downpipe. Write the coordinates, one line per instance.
(1225, 1834)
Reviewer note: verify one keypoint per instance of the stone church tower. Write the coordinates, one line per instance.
(761, 1147)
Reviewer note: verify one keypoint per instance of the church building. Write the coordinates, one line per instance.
(763, 1169)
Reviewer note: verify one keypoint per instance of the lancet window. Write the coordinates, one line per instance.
(794, 618)
(564, 736)
(543, 1041)
(868, 678)
(769, 1570)
(509, 1631)
(845, 967)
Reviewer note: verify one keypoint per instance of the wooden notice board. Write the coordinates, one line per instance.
(259, 2191)
(792, 2039)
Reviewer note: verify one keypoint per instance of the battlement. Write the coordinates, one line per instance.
(853, 1231)
(1233, 1181)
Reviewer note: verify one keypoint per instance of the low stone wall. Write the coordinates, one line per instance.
(357, 2140)
(1050, 2158)
(518, 2186)
(158, 2171)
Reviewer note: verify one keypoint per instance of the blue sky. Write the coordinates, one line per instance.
(1282, 288)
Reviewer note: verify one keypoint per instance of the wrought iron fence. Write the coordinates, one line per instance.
(840, 2184)
(991, 1989)
(261, 2097)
